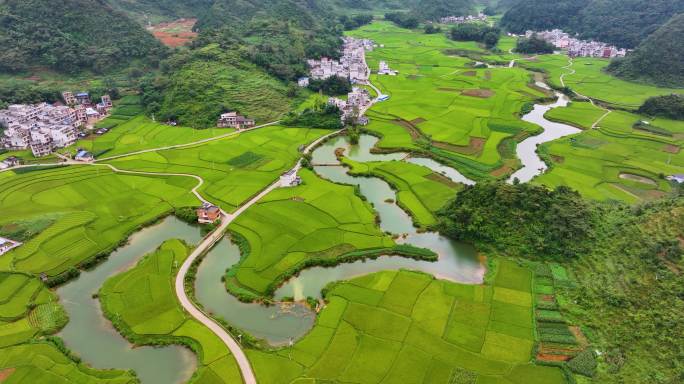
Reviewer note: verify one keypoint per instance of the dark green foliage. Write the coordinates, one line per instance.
(353, 22)
(652, 128)
(431, 29)
(584, 363)
(403, 19)
(70, 37)
(621, 22)
(668, 106)
(153, 10)
(319, 116)
(187, 214)
(245, 159)
(533, 45)
(658, 59)
(520, 220)
(333, 86)
(434, 9)
(475, 32)
(24, 230)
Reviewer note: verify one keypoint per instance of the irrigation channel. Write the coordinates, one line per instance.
(92, 336)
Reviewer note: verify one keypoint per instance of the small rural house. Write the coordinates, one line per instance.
(234, 120)
(208, 214)
(679, 178)
(290, 179)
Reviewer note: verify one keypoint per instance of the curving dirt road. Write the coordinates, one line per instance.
(572, 72)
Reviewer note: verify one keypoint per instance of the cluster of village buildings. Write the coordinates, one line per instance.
(358, 100)
(352, 63)
(576, 47)
(481, 17)
(44, 127)
(7, 245)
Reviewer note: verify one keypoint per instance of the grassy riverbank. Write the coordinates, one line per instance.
(142, 305)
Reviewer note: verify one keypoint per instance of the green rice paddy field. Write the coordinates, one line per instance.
(141, 133)
(421, 191)
(615, 160)
(142, 304)
(91, 209)
(408, 327)
(311, 224)
(234, 168)
(590, 80)
(438, 96)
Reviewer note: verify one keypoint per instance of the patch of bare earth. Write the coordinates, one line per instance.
(175, 33)
(474, 147)
(501, 171)
(558, 159)
(442, 179)
(6, 373)
(417, 121)
(410, 128)
(469, 73)
(481, 93)
(671, 148)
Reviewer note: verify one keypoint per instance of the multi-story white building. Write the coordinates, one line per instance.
(42, 127)
(351, 65)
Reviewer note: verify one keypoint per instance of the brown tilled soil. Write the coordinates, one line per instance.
(558, 159)
(579, 336)
(469, 73)
(502, 171)
(410, 128)
(417, 121)
(551, 357)
(6, 373)
(481, 93)
(474, 147)
(175, 33)
(671, 148)
(441, 179)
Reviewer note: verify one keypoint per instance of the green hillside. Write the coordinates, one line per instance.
(658, 59)
(625, 23)
(71, 37)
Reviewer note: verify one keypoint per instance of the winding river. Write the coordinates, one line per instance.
(90, 335)
(533, 165)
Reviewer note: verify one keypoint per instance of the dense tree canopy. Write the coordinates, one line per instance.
(475, 32)
(70, 37)
(533, 45)
(668, 106)
(659, 59)
(521, 220)
(621, 22)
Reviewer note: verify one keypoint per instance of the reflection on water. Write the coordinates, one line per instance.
(91, 335)
(527, 149)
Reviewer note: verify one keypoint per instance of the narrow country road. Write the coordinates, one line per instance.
(572, 72)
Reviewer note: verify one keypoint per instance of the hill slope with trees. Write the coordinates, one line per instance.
(659, 59)
(625, 23)
(71, 36)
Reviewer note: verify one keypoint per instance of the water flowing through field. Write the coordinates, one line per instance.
(533, 165)
(92, 336)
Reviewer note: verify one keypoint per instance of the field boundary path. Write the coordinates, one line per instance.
(176, 146)
(571, 62)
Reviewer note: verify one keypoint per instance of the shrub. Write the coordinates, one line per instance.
(584, 363)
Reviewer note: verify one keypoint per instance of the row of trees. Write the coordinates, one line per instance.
(476, 32)
(533, 45)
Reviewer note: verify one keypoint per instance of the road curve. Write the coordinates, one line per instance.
(591, 100)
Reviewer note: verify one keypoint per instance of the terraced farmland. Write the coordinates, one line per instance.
(93, 208)
(437, 97)
(317, 223)
(234, 168)
(590, 80)
(618, 160)
(407, 327)
(142, 304)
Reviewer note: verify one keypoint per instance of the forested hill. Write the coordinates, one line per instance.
(659, 59)
(69, 36)
(434, 9)
(152, 11)
(625, 23)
